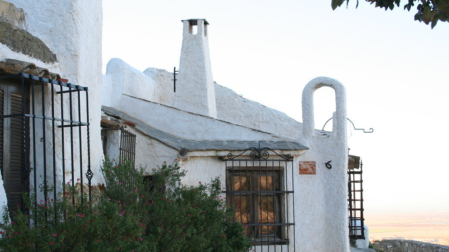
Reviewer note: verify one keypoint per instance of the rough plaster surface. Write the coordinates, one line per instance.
(112, 144)
(164, 90)
(23, 42)
(203, 169)
(409, 246)
(14, 35)
(233, 108)
(230, 106)
(323, 196)
(180, 143)
(195, 92)
(10, 13)
(74, 35)
(318, 197)
(151, 153)
(320, 200)
(188, 125)
(126, 80)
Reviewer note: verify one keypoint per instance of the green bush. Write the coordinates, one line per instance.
(134, 214)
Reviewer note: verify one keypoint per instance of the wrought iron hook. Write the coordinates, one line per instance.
(371, 130)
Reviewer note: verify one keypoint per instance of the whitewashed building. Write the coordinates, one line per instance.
(50, 74)
(287, 180)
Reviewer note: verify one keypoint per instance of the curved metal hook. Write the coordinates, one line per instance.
(371, 130)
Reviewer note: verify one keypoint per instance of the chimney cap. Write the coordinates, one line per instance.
(194, 21)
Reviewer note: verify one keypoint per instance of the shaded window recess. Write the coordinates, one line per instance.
(45, 137)
(125, 148)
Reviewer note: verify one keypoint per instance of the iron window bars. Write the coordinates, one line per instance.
(261, 191)
(54, 136)
(355, 203)
(127, 148)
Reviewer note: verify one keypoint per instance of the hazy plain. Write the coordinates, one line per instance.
(425, 227)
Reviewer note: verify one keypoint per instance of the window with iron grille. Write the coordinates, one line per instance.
(256, 195)
(128, 147)
(355, 199)
(119, 144)
(261, 191)
(44, 137)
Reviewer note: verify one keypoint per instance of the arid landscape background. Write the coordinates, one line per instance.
(425, 227)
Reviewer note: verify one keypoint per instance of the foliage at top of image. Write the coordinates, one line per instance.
(428, 11)
(136, 213)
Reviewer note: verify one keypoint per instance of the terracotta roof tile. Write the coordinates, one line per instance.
(11, 66)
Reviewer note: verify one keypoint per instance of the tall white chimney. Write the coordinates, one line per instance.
(195, 91)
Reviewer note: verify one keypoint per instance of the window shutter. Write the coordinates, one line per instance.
(17, 138)
(12, 144)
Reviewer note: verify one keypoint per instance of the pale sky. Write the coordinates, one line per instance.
(395, 70)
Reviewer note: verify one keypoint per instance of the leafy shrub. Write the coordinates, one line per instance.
(134, 214)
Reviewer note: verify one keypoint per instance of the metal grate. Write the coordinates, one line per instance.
(127, 147)
(261, 188)
(45, 137)
(355, 202)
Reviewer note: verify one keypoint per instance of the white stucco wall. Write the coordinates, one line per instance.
(187, 125)
(123, 79)
(71, 30)
(233, 108)
(164, 92)
(151, 153)
(230, 106)
(322, 198)
(321, 220)
(113, 144)
(203, 169)
(195, 92)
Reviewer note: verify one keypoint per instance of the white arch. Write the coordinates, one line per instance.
(308, 116)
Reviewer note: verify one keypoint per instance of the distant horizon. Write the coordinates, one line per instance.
(409, 226)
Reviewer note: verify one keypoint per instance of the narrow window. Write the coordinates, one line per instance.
(128, 147)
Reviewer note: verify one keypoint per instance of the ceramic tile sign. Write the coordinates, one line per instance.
(307, 167)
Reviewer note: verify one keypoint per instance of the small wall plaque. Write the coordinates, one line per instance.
(307, 167)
